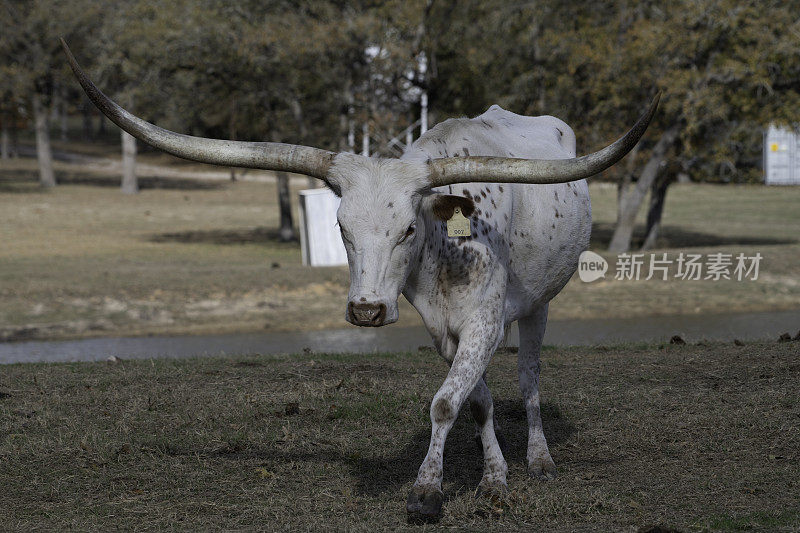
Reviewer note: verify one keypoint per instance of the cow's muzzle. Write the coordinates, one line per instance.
(366, 314)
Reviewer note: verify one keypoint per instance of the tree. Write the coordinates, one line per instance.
(130, 184)
(725, 68)
(32, 61)
(286, 231)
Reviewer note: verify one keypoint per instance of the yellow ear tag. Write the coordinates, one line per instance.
(458, 225)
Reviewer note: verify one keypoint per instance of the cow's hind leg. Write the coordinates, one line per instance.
(531, 333)
(475, 348)
(477, 406)
(494, 465)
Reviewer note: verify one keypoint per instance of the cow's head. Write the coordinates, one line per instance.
(382, 215)
(385, 202)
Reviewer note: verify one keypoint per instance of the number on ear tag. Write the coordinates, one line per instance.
(458, 225)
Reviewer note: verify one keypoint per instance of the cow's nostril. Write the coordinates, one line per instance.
(380, 316)
(366, 314)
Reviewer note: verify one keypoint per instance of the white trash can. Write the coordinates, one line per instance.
(320, 238)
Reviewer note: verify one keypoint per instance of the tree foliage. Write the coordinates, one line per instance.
(304, 71)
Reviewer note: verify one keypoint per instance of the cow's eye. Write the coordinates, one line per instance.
(409, 232)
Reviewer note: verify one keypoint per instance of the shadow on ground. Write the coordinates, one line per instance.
(27, 181)
(677, 237)
(463, 456)
(258, 235)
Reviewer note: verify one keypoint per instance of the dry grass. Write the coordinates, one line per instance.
(701, 437)
(190, 256)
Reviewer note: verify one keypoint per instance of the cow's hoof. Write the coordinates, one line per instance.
(542, 468)
(424, 506)
(494, 490)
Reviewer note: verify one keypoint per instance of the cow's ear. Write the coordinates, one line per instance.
(443, 205)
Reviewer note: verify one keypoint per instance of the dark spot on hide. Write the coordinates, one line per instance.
(363, 299)
(445, 204)
(442, 410)
(500, 187)
(390, 205)
(560, 133)
(466, 152)
(483, 193)
(477, 198)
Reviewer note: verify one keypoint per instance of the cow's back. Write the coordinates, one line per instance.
(536, 232)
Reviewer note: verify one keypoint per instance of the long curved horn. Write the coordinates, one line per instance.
(450, 170)
(263, 155)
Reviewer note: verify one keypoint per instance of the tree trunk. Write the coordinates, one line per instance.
(285, 205)
(5, 139)
(658, 195)
(15, 138)
(632, 201)
(130, 184)
(623, 186)
(86, 115)
(344, 115)
(297, 111)
(44, 154)
(62, 114)
(232, 131)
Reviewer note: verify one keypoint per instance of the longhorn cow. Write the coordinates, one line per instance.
(517, 179)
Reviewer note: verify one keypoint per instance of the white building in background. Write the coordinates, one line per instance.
(781, 157)
(320, 238)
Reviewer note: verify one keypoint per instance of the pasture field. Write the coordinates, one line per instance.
(690, 438)
(201, 256)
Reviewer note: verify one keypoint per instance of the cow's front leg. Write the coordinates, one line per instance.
(475, 349)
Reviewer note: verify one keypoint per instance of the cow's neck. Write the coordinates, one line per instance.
(429, 286)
